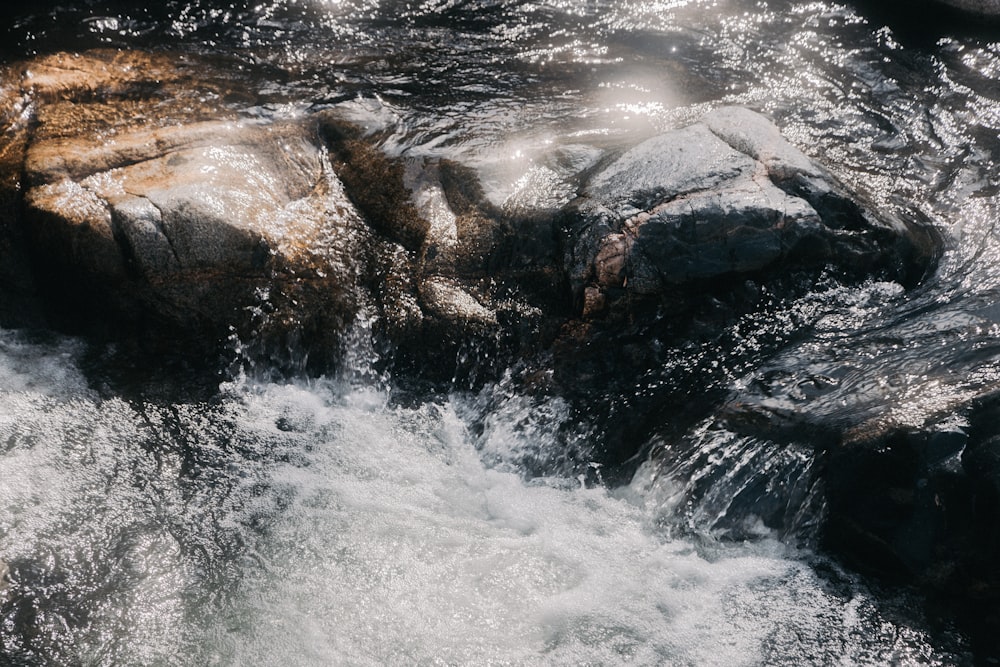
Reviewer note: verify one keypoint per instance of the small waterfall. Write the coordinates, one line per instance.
(733, 487)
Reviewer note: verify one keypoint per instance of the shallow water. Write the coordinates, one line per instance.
(321, 522)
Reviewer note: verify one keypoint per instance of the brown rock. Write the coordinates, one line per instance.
(150, 202)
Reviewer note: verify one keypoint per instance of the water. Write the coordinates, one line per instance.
(315, 523)
(325, 521)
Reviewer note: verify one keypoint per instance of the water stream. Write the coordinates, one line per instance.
(314, 523)
(318, 521)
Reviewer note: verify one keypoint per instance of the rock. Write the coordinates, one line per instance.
(154, 209)
(157, 207)
(723, 198)
(921, 505)
(983, 7)
(908, 458)
(189, 225)
(670, 245)
(450, 302)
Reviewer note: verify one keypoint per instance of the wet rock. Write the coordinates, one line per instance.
(375, 184)
(155, 209)
(912, 489)
(725, 197)
(921, 505)
(983, 7)
(680, 239)
(450, 302)
(158, 206)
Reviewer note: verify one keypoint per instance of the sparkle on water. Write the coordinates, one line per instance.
(317, 522)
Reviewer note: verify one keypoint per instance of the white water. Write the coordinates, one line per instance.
(316, 524)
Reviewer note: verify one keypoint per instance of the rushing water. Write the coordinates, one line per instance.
(321, 521)
(312, 523)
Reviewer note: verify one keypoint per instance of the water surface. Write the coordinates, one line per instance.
(320, 521)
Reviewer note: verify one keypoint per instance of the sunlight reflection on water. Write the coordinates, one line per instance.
(316, 524)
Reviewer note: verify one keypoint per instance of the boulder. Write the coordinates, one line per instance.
(723, 198)
(668, 246)
(153, 209)
(156, 206)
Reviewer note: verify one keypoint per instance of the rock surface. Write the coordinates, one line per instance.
(149, 203)
(725, 197)
(154, 208)
(157, 206)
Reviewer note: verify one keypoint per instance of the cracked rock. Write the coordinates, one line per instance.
(723, 198)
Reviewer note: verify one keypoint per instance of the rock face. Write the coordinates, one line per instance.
(723, 198)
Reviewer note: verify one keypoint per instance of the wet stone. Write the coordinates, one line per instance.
(155, 212)
(210, 221)
(722, 198)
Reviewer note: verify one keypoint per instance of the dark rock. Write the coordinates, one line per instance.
(921, 505)
(375, 184)
(725, 197)
(670, 245)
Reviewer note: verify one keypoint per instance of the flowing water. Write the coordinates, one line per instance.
(323, 521)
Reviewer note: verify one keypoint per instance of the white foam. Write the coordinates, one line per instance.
(314, 524)
(398, 546)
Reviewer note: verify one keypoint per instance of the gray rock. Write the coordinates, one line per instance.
(724, 197)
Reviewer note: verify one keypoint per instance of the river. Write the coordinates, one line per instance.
(251, 519)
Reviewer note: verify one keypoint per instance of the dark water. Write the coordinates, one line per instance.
(321, 522)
